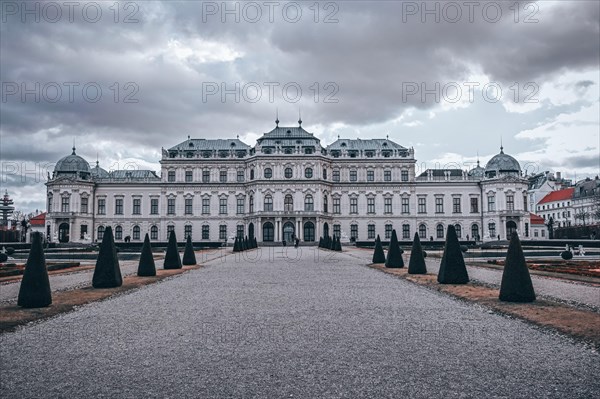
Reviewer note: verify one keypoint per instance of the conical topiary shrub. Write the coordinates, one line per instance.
(255, 242)
(320, 242)
(378, 254)
(394, 255)
(246, 243)
(332, 243)
(172, 259)
(146, 267)
(452, 267)
(189, 257)
(35, 286)
(107, 273)
(416, 264)
(338, 245)
(236, 245)
(516, 283)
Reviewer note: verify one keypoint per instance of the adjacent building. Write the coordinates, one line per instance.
(288, 185)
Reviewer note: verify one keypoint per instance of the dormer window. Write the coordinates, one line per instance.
(343, 144)
(191, 144)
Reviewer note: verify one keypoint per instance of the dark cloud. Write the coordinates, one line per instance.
(165, 57)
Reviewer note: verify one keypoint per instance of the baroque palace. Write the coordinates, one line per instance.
(288, 185)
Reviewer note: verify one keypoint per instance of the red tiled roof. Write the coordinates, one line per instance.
(559, 195)
(535, 219)
(38, 220)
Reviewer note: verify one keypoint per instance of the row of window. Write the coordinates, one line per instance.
(153, 232)
(552, 206)
(422, 229)
(288, 173)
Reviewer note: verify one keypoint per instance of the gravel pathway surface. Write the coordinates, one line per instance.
(303, 325)
(574, 292)
(9, 292)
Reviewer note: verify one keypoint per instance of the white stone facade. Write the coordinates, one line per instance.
(287, 185)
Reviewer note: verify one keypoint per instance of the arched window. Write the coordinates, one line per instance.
(136, 232)
(422, 231)
(100, 232)
(309, 231)
(308, 173)
(154, 233)
(118, 233)
(475, 232)
(251, 174)
(458, 229)
(268, 203)
(324, 173)
(288, 173)
(288, 203)
(309, 203)
(268, 173)
(440, 231)
(325, 203)
(251, 204)
(268, 232)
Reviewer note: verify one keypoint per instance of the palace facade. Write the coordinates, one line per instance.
(288, 185)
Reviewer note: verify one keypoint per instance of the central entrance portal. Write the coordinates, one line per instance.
(288, 231)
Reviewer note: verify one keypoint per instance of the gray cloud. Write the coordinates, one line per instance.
(368, 54)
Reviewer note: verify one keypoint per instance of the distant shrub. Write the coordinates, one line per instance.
(3, 258)
(464, 248)
(566, 255)
(424, 254)
(10, 251)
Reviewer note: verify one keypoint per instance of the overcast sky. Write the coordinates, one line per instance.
(380, 68)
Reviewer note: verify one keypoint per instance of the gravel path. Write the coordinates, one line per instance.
(573, 292)
(300, 325)
(9, 292)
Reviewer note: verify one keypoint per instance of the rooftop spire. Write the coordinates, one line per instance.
(73, 146)
(299, 118)
(501, 146)
(478, 158)
(276, 117)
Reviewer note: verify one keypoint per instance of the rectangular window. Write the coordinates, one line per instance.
(170, 206)
(491, 203)
(456, 208)
(64, 205)
(439, 205)
(474, 205)
(83, 232)
(336, 205)
(206, 206)
(240, 231)
(187, 231)
(170, 228)
(222, 232)
(371, 231)
(404, 175)
(251, 204)
(353, 175)
(206, 176)
(188, 176)
(223, 176)
(49, 204)
(137, 206)
(406, 231)
(336, 175)
(543, 233)
(353, 232)
(84, 205)
(118, 206)
(422, 203)
(171, 176)
(240, 206)
(240, 176)
(189, 202)
(510, 202)
(370, 175)
(371, 205)
(526, 208)
(154, 206)
(388, 231)
(205, 232)
(492, 229)
(223, 206)
(405, 206)
(336, 230)
(101, 206)
(353, 205)
(387, 175)
(387, 205)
